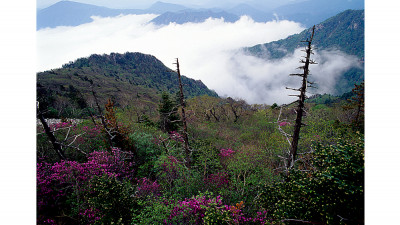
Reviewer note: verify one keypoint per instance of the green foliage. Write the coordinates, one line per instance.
(239, 161)
(147, 152)
(330, 190)
(169, 118)
(153, 211)
(112, 198)
(214, 216)
(248, 172)
(205, 157)
(274, 106)
(356, 103)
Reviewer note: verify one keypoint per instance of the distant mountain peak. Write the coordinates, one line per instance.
(161, 7)
(193, 16)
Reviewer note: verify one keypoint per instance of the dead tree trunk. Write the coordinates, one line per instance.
(103, 122)
(56, 145)
(302, 98)
(182, 101)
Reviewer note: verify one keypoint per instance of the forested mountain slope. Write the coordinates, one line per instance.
(122, 77)
(343, 32)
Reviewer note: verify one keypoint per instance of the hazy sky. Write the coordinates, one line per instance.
(209, 51)
(147, 3)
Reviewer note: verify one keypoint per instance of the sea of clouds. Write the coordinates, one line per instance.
(208, 51)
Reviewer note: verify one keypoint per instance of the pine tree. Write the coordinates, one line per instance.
(169, 118)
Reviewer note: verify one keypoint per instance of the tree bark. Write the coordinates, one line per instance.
(302, 98)
(185, 133)
(57, 146)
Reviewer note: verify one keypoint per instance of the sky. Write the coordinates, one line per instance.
(141, 4)
(208, 51)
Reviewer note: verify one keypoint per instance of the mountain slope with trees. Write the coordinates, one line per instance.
(344, 32)
(311, 12)
(123, 77)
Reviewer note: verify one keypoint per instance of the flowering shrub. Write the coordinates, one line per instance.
(170, 168)
(57, 182)
(176, 136)
(60, 125)
(147, 188)
(218, 180)
(192, 210)
(90, 215)
(226, 153)
(204, 209)
(282, 124)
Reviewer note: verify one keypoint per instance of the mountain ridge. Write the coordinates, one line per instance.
(343, 32)
(127, 78)
(193, 16)
(69, 13)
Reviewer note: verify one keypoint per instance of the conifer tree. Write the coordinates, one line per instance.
(357, 103)
(169, 119)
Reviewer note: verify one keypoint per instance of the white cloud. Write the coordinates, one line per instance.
(265, 81)
(207, 51)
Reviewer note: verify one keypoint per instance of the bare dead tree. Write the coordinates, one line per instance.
(110, 137)
(56, 145)
(182, 102)
(87, 108)
(302, 97)
(59, 145)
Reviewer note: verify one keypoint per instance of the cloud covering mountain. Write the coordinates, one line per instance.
(209, 51)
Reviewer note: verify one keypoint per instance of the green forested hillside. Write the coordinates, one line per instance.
(126, 78)
(344, 32)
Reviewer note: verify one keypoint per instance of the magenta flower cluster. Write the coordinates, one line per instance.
(147, 187)
(282, 124)
(218, 180)
(192, 211)
(91, 215)
(226, 153)
(94, 131)
(176, 136)
(170, 167)
(60, 125)
(55, 181)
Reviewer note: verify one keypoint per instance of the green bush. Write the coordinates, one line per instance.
(331, 191)
(111, 199)
(147, 152)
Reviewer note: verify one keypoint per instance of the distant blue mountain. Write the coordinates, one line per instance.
(67, 13)
(309, 12)
(162, 7)
(312, 12)
(257, 15)
(194, 16)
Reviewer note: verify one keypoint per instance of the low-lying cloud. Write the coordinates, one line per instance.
(209, 51)
(261, 80)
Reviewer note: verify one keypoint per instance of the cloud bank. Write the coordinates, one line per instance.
(208, 51)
